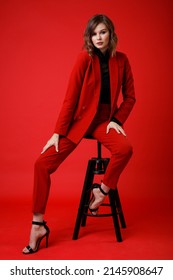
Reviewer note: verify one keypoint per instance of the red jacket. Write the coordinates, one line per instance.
(83, 92)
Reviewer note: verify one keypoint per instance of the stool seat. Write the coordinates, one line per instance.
(97, 166)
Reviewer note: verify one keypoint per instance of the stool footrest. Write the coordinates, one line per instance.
(116, 211)
(99, 215)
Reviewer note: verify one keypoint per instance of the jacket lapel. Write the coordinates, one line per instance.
(97, 73)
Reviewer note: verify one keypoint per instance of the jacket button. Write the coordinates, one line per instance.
(83, 107)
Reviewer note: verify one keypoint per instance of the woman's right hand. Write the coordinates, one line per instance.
(53, 141)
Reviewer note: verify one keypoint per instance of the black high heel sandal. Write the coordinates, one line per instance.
(30, 250)
(95, 186)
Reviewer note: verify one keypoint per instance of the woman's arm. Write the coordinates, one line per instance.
(71, 99)
(128, 93)
(72, 94)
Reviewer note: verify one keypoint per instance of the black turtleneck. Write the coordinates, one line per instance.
(105, 82)
(105, 95)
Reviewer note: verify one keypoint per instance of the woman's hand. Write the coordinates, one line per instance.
(115, 126)
(53, 141)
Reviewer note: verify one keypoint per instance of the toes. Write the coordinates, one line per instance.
(25, 250)
(28, 250)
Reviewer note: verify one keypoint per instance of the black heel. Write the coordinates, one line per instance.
(95, 186)
(30, 250)
(47, 239)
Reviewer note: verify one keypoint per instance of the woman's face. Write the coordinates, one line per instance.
(100, 37)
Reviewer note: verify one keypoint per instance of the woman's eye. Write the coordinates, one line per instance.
(100, 33)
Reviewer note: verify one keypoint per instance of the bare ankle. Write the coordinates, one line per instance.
(37, 217)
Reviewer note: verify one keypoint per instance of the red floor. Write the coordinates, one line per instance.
(148, 234)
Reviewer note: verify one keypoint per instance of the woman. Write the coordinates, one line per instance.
(89, 108)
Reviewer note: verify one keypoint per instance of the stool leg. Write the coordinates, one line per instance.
(114, 215)
(119, 209)
(84, 198)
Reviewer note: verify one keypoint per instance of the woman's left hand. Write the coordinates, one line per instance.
(115, 126)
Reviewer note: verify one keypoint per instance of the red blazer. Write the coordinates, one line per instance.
(83, 92)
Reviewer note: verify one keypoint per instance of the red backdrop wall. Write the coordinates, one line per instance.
(40, 40)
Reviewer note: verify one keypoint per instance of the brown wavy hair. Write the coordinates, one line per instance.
(91, 25)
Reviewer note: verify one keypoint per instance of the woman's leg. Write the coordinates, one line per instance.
(45, 165)
(121, 151)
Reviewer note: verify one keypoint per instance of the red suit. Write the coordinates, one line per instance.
(81, 114)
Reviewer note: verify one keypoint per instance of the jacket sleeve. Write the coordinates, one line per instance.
(72, 94)
(128, 93)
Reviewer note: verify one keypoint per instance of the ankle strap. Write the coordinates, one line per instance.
(39, 223)
(98, 186)
(103, 192)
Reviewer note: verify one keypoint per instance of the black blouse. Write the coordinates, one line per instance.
(105, 81)
(105, 96)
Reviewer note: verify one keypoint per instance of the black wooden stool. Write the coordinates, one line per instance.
(96, 166)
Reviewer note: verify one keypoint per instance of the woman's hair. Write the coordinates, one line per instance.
(92, 23)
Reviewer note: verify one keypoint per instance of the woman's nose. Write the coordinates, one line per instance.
(98, 36)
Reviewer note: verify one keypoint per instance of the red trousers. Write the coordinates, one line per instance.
(118, 145)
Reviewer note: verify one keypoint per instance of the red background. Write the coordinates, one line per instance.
(39, 44)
